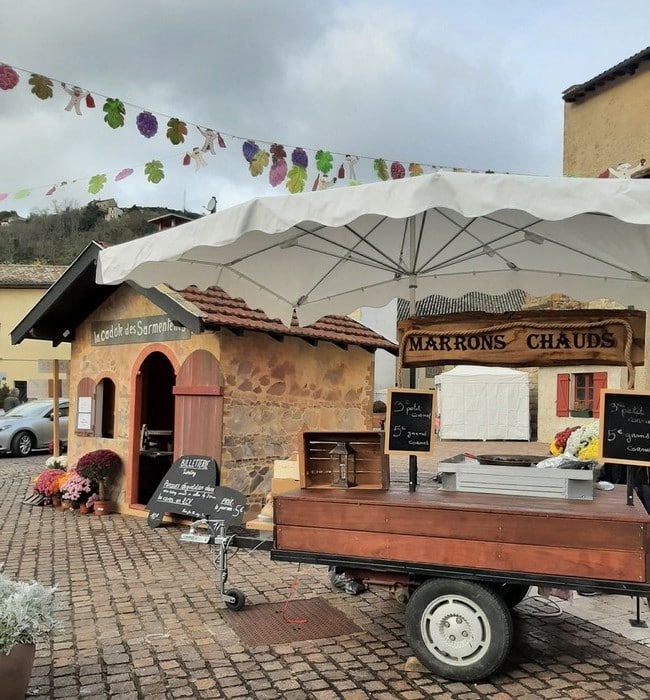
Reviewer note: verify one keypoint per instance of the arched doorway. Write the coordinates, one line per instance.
(155, 401)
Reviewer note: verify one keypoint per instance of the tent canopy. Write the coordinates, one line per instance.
(333, 251)
(483, 403)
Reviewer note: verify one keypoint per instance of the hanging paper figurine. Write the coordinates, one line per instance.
(76, 95)
(195, 154)
(210, 136)
(351, 161)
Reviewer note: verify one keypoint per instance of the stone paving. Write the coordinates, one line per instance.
(142, 620)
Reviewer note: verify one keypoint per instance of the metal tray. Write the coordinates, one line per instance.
(511, 460)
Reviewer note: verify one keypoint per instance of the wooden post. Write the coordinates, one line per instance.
(55, 413)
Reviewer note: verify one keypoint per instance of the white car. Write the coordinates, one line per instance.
(30, 426)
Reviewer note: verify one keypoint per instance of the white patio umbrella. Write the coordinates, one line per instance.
(332, 251)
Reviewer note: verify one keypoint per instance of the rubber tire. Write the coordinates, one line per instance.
(512, 593)
(478, 612)
(240, 599)
(22, 444)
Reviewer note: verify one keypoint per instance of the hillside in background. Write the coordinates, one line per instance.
(59, 237)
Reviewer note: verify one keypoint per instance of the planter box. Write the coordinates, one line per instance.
(372, 466)
(583, 413)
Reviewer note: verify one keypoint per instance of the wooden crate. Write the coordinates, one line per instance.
(372, 465)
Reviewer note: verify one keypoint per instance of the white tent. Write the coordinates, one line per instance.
(483, 403)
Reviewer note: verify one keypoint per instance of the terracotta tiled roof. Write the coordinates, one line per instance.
(31, 276)
(627, 67)
(224, 311)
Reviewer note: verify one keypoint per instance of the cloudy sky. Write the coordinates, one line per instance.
(474, 84)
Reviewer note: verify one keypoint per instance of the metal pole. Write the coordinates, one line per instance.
(413, 284)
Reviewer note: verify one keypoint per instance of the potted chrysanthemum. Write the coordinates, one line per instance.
(99, 466)
(27, 614)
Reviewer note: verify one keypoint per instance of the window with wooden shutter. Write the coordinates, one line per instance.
(600, 382)
(562, 395)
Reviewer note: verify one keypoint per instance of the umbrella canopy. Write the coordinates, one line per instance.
(332, 251)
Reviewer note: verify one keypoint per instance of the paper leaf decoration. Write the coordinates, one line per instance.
(3, 196)
(51, 191)
(296, 179)
(381, 169)
(125, 172)
(90, 101)
(114, 113)
(22, 194)
(259, 162)
(154, 171)
(250, 150)
(147, 124)
(96, 183)
(41, 86)
(415, 169)
(8, 77)
(220, 141)
(397, 171)
(324, 161)
(278, 171)
(176, 131)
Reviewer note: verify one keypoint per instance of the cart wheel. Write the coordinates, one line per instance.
(512, 593)
(239, 597)
(460, 630)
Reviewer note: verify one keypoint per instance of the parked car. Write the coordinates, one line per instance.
(30, 426)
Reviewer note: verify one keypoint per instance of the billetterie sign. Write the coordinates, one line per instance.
(524, 339)
(140, 329)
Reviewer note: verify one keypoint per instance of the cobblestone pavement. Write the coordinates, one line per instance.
(142, 620)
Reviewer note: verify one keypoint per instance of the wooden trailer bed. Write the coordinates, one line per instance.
(601, 542)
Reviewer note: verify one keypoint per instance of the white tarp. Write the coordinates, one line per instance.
(483, 403)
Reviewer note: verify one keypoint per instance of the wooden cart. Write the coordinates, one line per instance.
(466, 557)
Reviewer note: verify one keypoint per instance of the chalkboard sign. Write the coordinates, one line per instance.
(410, 417)
(189, 488)
(625, 427)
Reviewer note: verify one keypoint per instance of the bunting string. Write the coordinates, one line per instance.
(286, 165)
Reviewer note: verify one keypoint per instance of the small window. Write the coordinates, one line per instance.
(105, 406)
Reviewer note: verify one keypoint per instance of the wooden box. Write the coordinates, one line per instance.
(372, 465)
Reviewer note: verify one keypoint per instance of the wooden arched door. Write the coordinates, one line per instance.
(198, 425)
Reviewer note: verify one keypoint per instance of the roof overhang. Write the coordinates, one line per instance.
(76, 294)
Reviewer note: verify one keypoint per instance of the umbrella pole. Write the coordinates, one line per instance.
(413, 284)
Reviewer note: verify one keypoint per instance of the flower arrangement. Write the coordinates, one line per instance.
(558, 444)
(26, 613)
(580, 442)
(98, 466)
(77, 488)
(49, 482)
(57, 462)
(583, 438)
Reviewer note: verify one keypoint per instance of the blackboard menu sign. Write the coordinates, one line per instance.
(625, 427)
(410, 415)
(189, 488)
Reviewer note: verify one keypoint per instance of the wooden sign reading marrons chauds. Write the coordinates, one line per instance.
(525, 338)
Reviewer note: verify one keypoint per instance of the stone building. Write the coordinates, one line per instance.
(156, 374)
